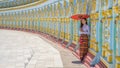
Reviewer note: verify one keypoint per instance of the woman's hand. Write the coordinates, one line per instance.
(81, 30)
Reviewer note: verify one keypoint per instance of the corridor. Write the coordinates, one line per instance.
(26, 50)
(59, 33)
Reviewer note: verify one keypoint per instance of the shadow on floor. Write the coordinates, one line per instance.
(76, 62)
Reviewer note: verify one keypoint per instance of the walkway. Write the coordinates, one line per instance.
(25, 50)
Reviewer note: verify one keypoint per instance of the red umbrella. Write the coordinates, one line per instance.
(79, 16)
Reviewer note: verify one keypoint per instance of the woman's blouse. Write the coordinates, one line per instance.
(86, 30)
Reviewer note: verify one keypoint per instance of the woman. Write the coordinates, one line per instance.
(84, 32)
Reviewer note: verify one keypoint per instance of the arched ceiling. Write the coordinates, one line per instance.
(14, 3)
(31, 6)
(6, 0)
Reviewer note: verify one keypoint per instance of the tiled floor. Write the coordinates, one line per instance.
(68, 59)
(25, 50)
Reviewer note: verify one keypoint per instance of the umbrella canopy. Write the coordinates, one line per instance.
(79, 16)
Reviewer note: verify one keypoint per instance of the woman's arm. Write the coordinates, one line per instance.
(81, 30)
(88, 30)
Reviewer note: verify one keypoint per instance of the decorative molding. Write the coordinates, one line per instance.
(24, 6)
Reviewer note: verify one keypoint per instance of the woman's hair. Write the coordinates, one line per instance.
(82, 24)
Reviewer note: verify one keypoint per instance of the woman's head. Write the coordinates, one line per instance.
(83, 22)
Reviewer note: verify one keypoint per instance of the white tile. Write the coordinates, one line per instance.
(30, 66)
(28, 49)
